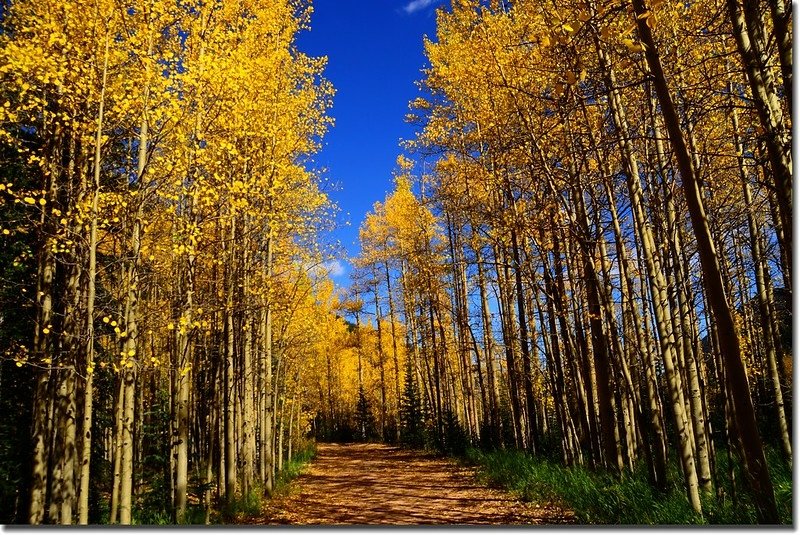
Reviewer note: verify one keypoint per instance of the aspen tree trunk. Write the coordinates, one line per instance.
(659, 450)
(632, 327)
(681, 323)
(461, 326)
(220, 427)
(697, 401)
(68, 347)
(138, 430)
(630, 403)
(437, 373)
(657, 290)
(602, 360)
(183, 374)
(42, 342)
(269, 412)
(425, 373)
(230, 394)
(627, 396)
(183, 381)
(482, 411)
(583, 369)
(68, 447)
(555, 359)
(211, 444)
(132, 315)
(761, 272)
(507, 321)
(381, 366)
(570, 350)
(556, 378)
(290, 444)
(748, 31)
(472, 403)
(488, 344)
(777, 228)
(754, 460)
(88, 395)
(56, 444)
(394, 350)
(172, 380)
(447, 383)
(781, 21)
(532, 439)
(126, 454)
(117, 456)
(261, 401)
(281, 420)
(248, 414)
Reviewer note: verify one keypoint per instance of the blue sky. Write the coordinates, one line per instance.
(375, 54)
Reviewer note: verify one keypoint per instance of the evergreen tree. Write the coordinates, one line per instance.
(411, 413)
(363, 416)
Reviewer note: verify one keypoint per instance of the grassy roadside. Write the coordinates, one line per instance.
(599, 498)
(152, 510)
(251, 506)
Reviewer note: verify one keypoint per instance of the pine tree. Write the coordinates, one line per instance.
(411, 415)
(363, 416)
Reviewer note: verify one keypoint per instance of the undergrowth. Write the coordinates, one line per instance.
(250, 505)
(152, 508)
(601, 498)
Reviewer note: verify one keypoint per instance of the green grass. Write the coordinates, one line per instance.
(195, 514)
(294, 467)
(250, 505)
(600, 498)
(152, 509)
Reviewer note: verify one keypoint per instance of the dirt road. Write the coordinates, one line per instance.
(378, 484)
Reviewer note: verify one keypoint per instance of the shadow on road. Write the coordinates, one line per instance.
(379, 484)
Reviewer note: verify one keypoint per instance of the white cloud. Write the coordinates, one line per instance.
(334, 268)
(416, 5)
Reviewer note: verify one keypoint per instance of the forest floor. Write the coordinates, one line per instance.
(379, 484)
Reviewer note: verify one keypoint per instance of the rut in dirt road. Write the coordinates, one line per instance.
(379, 484)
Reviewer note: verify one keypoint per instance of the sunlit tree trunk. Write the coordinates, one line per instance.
(748, 31)
(754, 460)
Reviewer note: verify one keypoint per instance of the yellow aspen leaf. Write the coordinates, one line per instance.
(30, 200)
(633, 46)
(571, 78)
